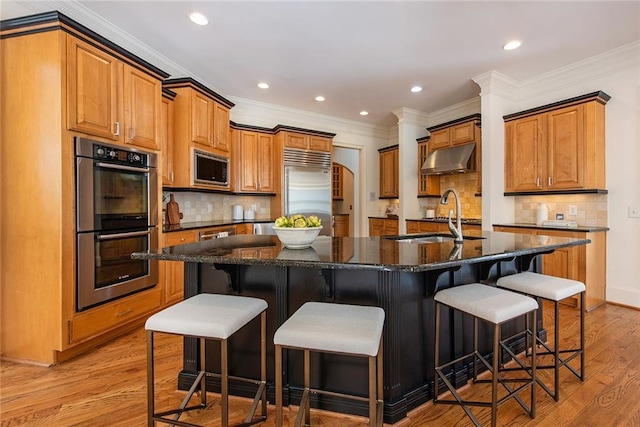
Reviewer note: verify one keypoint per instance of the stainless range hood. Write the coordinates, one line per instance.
(449, 160)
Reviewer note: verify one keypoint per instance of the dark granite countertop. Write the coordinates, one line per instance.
(472, 221)
(184, 226)
(377, 253)
(551, 227)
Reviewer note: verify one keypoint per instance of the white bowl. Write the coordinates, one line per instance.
(297, 238)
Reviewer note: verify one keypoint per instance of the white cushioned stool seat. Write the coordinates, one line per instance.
(351, 330)
(486, 302)
(541, 285)
(207, 315)
(336, 328)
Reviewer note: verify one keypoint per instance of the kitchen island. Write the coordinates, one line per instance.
(399, 276)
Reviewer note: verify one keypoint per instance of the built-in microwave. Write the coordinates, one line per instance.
(209, 169)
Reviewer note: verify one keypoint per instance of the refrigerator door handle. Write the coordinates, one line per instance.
(286, 191)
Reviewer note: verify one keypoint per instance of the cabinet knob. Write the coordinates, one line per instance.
(549, 181)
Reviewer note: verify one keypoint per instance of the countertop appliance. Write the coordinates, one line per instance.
(237, 212)
(116, 214)
(307, 185)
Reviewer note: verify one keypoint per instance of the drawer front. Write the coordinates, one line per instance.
(113, 315)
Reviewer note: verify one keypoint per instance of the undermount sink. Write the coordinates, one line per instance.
(428, 238)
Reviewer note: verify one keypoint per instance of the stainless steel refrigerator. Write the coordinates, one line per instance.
(307, 185)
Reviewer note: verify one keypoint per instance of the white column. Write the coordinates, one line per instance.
(498, 94)
(411, 126)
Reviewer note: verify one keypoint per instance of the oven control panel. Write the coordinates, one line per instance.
(103, 152)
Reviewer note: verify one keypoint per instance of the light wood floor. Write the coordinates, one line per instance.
(107, 387)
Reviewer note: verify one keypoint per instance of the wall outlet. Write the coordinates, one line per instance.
(372, 196)
(573, 209)
(634, 212)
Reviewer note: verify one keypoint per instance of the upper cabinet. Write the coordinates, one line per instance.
(557, 148)
(109, 98)
(254, 162)
(456, 134)
(293, 139)
(337, 182)
(389, 172)
(201, 121)
(428, 185)
(166, 137)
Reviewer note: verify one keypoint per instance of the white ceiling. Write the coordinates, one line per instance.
(358, 55)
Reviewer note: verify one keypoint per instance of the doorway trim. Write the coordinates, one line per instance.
(360, 201)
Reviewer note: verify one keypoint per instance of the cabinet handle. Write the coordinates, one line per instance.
(538, 182)
(132, 134)
(124, 313)
(549, 181)
(117, 132)
(171, 176)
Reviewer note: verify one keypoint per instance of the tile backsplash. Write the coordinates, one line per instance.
(591, 208)
(212, 207)
(466, 185)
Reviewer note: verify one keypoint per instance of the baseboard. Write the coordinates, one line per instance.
(623, 296)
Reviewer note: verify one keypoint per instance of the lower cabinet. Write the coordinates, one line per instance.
(383, 226)
(425, 226)
(172, 271)
(340, 225)
(585, 263)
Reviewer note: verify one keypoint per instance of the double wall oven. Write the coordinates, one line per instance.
(116, 212)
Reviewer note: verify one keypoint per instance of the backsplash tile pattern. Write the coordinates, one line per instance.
(466, 185)
(592, 208)
(212, 207)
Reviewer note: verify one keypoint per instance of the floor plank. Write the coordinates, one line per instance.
(107, 387)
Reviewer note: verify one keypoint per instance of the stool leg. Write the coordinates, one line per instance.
(380, 392)
(373, 388)
(307, 387)
(556, 351)
(203, 379)
(494, 376)
(278, 374)
(224, 382)
(534, 356)
(436, 356)
(582, 311)
(150, 380)
(263, 360)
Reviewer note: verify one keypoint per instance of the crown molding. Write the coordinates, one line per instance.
(495, 83)
(410, 116)
(605, 64)
(455, 111)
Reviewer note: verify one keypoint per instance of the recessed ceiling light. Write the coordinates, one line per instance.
(364, 113)
(416, 89)
(319, 98)
(263, 85)
(198, 18)
(513, 44)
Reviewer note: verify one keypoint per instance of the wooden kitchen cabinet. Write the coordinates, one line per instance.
(389, 188)
(111, 99)
(65, 82)
(307, 142)
(201, 121)
(166, 137)
(425, 226)
(174, 271)
(337, 182)
(585, 263)
(254, 162)
(428, 185)
(557, 148)
(383, 226)
(449, 134)
(341, 225)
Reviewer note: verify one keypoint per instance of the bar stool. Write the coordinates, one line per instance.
(552, 289)
(207, 317)
(333, 328)
(494, 306)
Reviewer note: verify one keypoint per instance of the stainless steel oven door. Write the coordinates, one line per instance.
(112, 196)
(106, 270)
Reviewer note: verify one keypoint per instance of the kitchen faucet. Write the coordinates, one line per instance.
(457, 230)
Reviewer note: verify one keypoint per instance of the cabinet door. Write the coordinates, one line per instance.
(565, 148)
(248, 164)
(265, 166)
(439, 139)
(295, 140)
(463, 133)
(413, 227)
(341, 226)
(376, 226)
(220, 127)
(174, 271)
(428, 185)
(337, 182)
(318, 143)
(201, 116)
(524, 148)
(93, 90)
(165, 138)
(389, 174)
(391, 227)
(142, 99)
